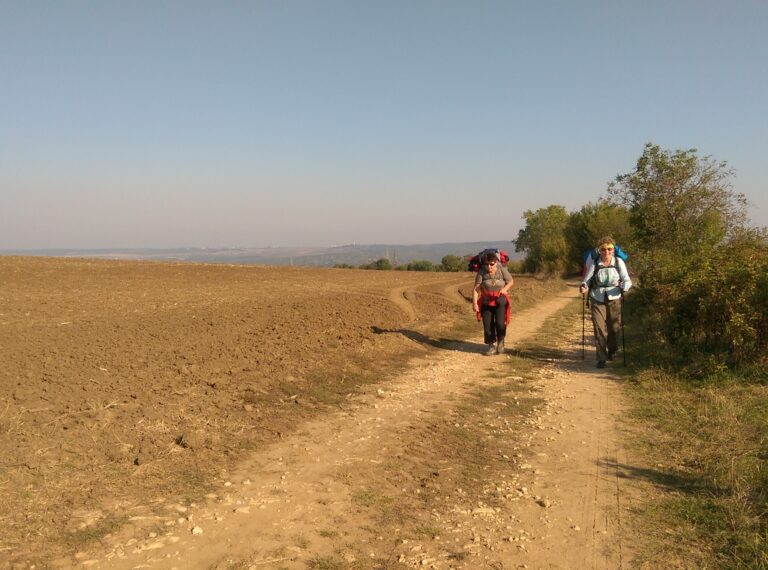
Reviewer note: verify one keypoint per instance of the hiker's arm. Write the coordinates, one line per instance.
(626, 282)
(475, 297)
(583, 288)
(508, 281)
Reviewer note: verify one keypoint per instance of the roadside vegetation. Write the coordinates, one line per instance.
(705, 440)
(697, 332)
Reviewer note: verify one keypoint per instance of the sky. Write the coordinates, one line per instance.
(183, 123)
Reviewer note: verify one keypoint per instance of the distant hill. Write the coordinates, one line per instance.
(352, 254)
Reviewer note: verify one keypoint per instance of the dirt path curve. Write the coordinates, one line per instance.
(399, 297)
(566, 509)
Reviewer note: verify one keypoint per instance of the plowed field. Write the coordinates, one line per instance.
(122, 382)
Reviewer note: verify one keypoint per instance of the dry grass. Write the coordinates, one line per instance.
(707, 439)
(12, 421)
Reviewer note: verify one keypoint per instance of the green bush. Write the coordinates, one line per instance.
(421, 265)
(453, 263)
(717, 306)
(382, 264)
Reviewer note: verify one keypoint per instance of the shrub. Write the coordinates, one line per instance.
(421, 265)
(382, 264)
(453, 263)
(717, 306)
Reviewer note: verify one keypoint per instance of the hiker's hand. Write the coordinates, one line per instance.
(582, 288)
(475, 307)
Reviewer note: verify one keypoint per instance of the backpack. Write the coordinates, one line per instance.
(594, 255)
(476, 262)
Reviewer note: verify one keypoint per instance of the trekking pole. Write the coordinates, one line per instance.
(623, 340)
(583, 325)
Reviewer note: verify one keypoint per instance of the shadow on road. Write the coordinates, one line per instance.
(540, 353)
(441, 343)
(575, 358)
(663, 479)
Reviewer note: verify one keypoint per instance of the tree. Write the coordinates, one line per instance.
(679, 202)
(543, 239)
(592, 222)
(703, 270)
(453, 263)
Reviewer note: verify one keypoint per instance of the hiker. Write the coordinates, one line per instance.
(606, 281)
(491, 301)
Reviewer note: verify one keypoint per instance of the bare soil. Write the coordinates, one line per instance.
(200, 416)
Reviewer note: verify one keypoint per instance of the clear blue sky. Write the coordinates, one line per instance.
(320, 122)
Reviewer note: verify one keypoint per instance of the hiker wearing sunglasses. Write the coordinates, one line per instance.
(490, 301)
(606, 281)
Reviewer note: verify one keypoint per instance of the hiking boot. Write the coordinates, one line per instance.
(601, 363)
(491, 349)
(500, 347)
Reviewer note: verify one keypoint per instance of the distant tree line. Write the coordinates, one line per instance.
(449, 263)
(702, 270)
(452, 263)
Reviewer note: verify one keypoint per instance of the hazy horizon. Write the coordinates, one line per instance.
(254, 124)
(313, 256)
(266, 247)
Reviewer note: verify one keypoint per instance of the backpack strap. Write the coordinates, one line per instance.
(592, 284)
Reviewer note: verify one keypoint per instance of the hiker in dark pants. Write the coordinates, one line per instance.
(606, 280)
(491, 301)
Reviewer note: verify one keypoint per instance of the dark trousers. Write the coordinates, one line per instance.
(494, 327)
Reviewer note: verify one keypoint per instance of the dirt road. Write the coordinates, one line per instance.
(376, 485)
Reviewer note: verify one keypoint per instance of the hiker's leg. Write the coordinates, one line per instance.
(489, 327)
(599, 314)
(501, 324)
(501, 313)
(613, 326)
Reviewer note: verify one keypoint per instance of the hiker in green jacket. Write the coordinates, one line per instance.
(606, 281)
